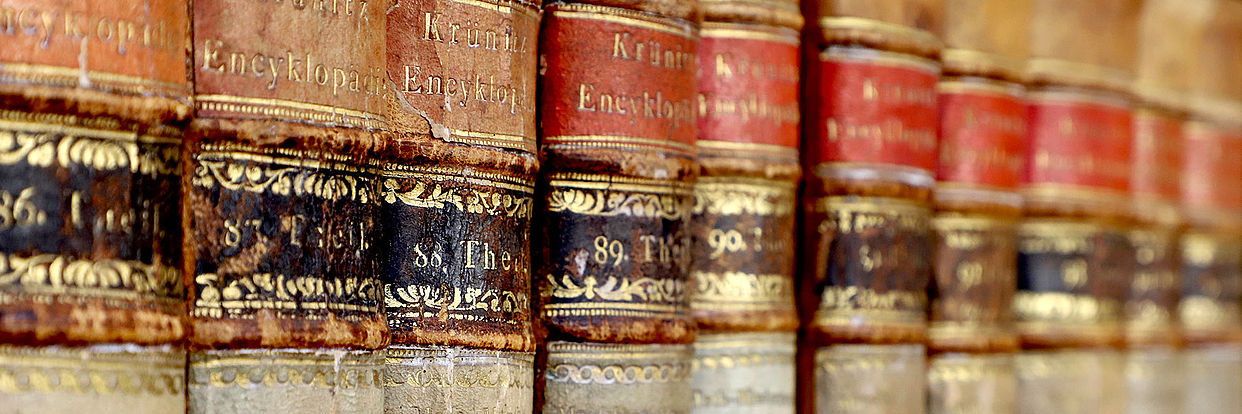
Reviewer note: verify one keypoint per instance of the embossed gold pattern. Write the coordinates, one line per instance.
(440, 195)
(599, 195)
(50, 274)
(734, 196)
(847, 375)
(25, 73)
(105, 370)
(744, 372)
(741, 291)
(333, 369)
(454, 302)
(420, 379)
(283, 177)
(596, 377)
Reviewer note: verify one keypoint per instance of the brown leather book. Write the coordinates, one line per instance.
(612, 234)
(457, 185)
(1075, 258)
(93, 99)
(280, 207)
(869, 155)
(1211, 247)
(1155, 363)
(971, 338)
(743, 223)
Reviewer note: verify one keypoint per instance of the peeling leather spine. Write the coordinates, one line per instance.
(612, 234)
(457, 196)
(868, 156)
(281, 206)
(95, 98)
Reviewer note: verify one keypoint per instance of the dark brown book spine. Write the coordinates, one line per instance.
(1075, 259)
(457, 193)
(971, 338)
(613, 248)
(743, 223)
(94, 98)
(280, 206)
(869, 154)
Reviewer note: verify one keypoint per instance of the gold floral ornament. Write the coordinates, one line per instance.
(280, 181)
(467, 200)
(616, 203)
(619, 290)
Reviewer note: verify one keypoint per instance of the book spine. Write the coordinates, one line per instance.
(456, 200)
(640, 378)
(613, 231)
(1076, 260)
(280, 205)
(90, 139)
(971, 335)
(869, 154)
(743, 219)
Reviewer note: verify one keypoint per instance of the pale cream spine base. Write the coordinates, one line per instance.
(253, 381)
(870, 379)
(92, 379)
(1155, 381)
(445, 379)
(1071, 381)
(1213, 379)
(960, 383)
(617, 378)
(736, 373)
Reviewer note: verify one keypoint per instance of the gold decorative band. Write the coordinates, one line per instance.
(626, 17)
(111, 374)
(57, 277)
(746, 150)
(846, 378)
(492, 139)
(618, 364)
(975, 62)
(746, 372)
(248, 368)
(503, 6)
(876, 57)
(1078, 74)
(748, 32)
(56, 76)
(286, 109)
(849, 27)
(615, 142)
(441, 379)
(867, 171)
(736, 196)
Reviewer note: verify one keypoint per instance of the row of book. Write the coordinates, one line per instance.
(621, 206)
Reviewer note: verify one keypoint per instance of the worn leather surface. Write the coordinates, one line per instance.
(457, 173)
(94, 98)
(422, 379)
(280, 204)
(745, 199)
(612, 238)
(97, 379)
(118, 58)
(286, 381)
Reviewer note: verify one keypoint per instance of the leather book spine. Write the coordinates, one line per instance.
(745, 202)
(1076, 260)
(869, 157)
(457, 186)
(280, 206)
(1155, 365)
(971, 336)
(613, 232)
(1211, 246)
(94, 97)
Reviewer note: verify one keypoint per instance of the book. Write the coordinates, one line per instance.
(1211, 196)
(93, 99)
(1155, 363)
(1075, 259)
(280, 207)
(745, 203)
(457, 186)
(971, 337)
(612, 234)
(869, 155)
